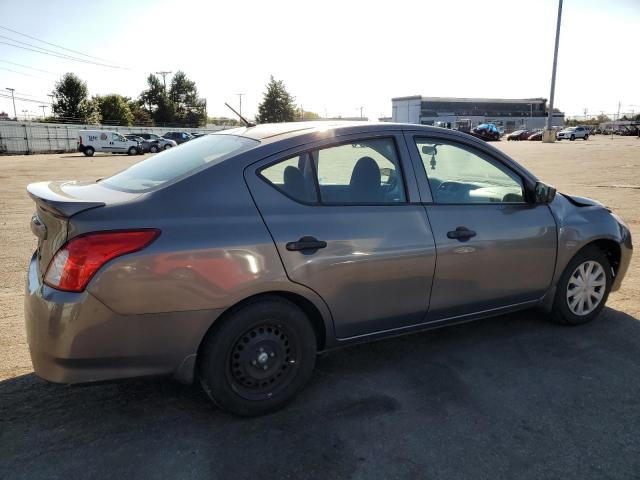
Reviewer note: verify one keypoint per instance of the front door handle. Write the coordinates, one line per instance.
(306, 243)
(461, 233)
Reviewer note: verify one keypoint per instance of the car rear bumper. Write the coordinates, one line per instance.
(75, 338)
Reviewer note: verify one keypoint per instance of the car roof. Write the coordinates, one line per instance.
(272, 132)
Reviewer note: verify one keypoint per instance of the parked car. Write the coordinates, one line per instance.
(232, 260)
(163, 143)
(520, 135)
(572, 133)
(91, 141)
(486, 131)
(178, 137)
(145, 144)
(537, 136)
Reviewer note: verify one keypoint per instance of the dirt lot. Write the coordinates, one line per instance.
(511, 396)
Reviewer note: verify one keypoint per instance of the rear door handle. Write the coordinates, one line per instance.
(306, 243)
(461, 233)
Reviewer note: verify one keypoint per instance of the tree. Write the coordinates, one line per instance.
(190, 110)
(141, 116)
(71, 99)
(157, 102)
(223, 121)
(304, 115)
(278, 105)
(114, 110)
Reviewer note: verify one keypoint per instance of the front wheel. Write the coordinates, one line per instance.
(153, 149)
(583, 288)
(586, 137)
(167, 147)
(258, 357)
(132, 151)
(572, 138)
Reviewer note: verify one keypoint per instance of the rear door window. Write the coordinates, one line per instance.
(363, 172)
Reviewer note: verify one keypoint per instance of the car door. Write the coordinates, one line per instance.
(117, 143)
(346, 220)
(495, 250)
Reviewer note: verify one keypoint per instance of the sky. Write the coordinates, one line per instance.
(333, 56)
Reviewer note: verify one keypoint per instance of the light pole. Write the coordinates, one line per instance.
(240, 97)
(15, 115)
(24, 113)
(547, 136)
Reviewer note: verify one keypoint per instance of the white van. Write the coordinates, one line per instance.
(91, 141)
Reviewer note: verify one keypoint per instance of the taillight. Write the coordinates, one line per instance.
(80, 139)
(80, 258)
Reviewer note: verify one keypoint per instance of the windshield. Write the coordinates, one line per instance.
(179, 161)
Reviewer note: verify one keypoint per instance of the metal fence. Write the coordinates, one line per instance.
(31, 137)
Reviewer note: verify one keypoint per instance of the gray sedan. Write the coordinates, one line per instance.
(236, 258)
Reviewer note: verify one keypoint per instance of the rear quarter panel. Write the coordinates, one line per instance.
(213, 251)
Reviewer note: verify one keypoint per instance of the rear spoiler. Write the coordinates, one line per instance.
(49, 196)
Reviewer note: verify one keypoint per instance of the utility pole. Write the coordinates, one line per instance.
(44, 115)
(614, 121)
(24, 113)
(240, 97)
(164, 74)
(549, 137)
(15, 115)
(361, 112)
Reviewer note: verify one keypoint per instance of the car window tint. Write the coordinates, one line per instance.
(294, 177)
(459, 175)
(174, 163)
(363, 172)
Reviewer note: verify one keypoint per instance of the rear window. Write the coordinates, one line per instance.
(177, 162)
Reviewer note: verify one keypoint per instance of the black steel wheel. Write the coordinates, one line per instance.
(262, 362)
(256, 358)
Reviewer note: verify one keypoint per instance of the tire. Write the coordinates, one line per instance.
(89, 151)
(586, 137)
(167, 147)
(270, 333)
(572, 138)
(153, 149)
(595, 261)
(132, 151)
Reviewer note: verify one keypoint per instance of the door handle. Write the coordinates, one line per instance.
(461, 233)
(306, 243)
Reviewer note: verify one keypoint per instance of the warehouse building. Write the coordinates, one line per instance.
(465, 113)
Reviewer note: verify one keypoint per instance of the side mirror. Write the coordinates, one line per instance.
(544, 193)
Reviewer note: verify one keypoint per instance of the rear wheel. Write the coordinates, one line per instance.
(583, 288)
(258, 357)
(89, 151)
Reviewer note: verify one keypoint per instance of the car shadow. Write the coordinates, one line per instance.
(512, 396)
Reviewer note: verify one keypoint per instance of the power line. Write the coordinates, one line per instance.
(30, 68)
(23, 99)
(55, 45)
(27, 74)
(46, 51)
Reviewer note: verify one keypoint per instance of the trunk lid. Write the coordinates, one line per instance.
(56, 203)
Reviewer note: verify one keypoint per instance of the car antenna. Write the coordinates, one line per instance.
(246, 122)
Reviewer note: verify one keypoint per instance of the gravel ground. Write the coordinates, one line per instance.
(513, 396)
